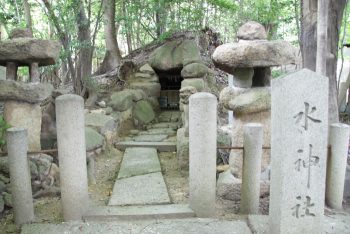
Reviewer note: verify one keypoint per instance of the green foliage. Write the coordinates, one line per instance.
(3, 127)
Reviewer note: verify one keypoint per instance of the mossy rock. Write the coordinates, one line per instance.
(93, 139)
(143, 112)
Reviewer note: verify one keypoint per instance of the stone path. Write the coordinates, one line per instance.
(140, 181)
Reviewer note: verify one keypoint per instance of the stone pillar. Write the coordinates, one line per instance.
(250, 193)
(34, 73)
(337, 161)
(186, 113)
(72, 155)
(20, 175)
(202, 148)
(11, 71)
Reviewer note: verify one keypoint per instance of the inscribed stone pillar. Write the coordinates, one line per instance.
(337, 161)
(202, 148)
(21, 188)
(250, 193)
(72, 155)
(298, 153)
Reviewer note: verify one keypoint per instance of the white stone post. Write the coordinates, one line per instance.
(250, 193)
(337, 161)
(72, 155)
(202, 148)
(21, 188)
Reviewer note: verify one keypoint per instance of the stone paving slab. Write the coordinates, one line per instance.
(117, 213)
(187, 226)
(157, 131)
(139, 161)
(150, 138)
(332, 224)
(146, 189)
(160, 146)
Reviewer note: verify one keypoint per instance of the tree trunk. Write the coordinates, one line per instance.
(309, 45)
(84, 65)
(112, 57)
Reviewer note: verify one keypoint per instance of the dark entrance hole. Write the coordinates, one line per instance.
(170, 82)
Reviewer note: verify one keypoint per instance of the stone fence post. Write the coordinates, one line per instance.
(72, 155)
(250, 192)
(21, 188)
(337, 161)
(202, 148)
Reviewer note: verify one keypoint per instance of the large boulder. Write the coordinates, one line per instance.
(100, 122)
(197, 83)
(229, 56)
(143, 112)
(252, 31)
(93, 139)
(194, 70)
(121, 100)
(25, 51)
(174, 55)
(25, 92)
(151, 89)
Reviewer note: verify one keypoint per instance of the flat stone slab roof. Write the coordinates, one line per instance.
(118, 213)
(139, 161)
(146, 189)
(25, 51)
(187, 226)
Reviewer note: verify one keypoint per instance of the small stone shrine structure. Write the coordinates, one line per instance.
(22, 100)
(250, 60)
(298, 153)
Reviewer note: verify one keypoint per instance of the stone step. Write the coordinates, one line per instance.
(160, 146)
(139, 161)
(149, 189)
(167, 226)
(117, 213)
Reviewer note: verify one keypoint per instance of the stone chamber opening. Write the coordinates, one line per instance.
(170, 82)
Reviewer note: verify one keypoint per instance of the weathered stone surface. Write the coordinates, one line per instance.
(243, 77)
(174, 55)
(150, 138)
(146, 68)
(194, 70)
(93, 139)
(160, 146)
(251, 101)
(2, 73)
(252, 31)
(27, 116)
(122, 100)
(143, 112)
(101, 122)
(140, 190)
(25, 51)
(254, 54)
(197, 83)
(299, 134)
(20, 32)
(139, 161)
(25, 92)
(175, 226)
(150, 88)
(236, 156)
(182, 149)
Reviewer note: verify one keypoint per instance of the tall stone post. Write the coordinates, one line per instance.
(230, 112)
(250, 193)
(202, 148)
(72, 155)
(339, 141)
(11, 71)
(21, 188)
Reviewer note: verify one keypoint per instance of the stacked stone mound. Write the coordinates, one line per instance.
(250, 61)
